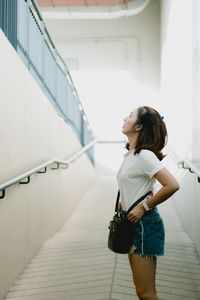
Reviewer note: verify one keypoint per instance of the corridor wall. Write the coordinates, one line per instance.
(180, 99)
(31, 133)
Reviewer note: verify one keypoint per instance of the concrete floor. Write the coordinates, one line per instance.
(76, 264)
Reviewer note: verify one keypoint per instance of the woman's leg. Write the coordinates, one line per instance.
(144, 273)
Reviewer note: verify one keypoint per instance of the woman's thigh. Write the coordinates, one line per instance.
(144, 272)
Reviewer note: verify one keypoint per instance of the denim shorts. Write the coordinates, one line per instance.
(149, 235)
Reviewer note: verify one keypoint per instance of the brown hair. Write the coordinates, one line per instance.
(153, 134)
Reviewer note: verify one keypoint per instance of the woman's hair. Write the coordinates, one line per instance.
(153, 134)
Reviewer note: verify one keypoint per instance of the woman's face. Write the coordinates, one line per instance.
(129, 123)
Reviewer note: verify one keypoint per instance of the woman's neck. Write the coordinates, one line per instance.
(132, 142)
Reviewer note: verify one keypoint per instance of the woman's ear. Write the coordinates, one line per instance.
(138, 127)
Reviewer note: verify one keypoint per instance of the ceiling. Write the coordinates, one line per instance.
(90, 9)
(67, 3)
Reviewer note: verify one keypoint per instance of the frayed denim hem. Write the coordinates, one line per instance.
(133, 250)
(144, 255)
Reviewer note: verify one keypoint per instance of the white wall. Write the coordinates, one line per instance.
(196, 79)
(127, 43)
(31, 132)
(180, 97)
(176, 72)
(187, 205)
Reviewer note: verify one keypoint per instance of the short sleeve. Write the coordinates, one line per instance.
(149, 163)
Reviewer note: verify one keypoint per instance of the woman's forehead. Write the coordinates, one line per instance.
(134, 111)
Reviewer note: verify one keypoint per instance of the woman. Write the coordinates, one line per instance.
(147, 135)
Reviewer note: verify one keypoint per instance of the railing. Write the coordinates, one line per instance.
(23, 24)
(112, 142)
(24, 178)
(186, 164)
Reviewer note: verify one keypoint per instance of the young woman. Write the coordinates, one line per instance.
(147, 135)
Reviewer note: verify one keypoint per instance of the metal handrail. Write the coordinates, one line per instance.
(187, 164)
(184, 163)
(111, 142)
(42, 168)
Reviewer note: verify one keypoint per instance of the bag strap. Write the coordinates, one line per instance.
(134, 204)
(117, 201)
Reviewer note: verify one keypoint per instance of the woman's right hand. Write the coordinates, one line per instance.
(136, 213)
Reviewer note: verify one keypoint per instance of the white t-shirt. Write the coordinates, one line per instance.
(135, 176)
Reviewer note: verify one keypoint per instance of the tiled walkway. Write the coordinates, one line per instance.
(75, 264)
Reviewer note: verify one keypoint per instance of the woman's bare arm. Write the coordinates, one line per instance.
(169, 186)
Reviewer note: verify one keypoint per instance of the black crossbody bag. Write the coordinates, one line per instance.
(121, 229)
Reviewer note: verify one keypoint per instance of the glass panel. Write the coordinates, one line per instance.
(24, 27)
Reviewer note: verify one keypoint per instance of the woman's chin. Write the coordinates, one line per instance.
(123, 131)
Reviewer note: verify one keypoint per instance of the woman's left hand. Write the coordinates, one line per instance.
(136, 213)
